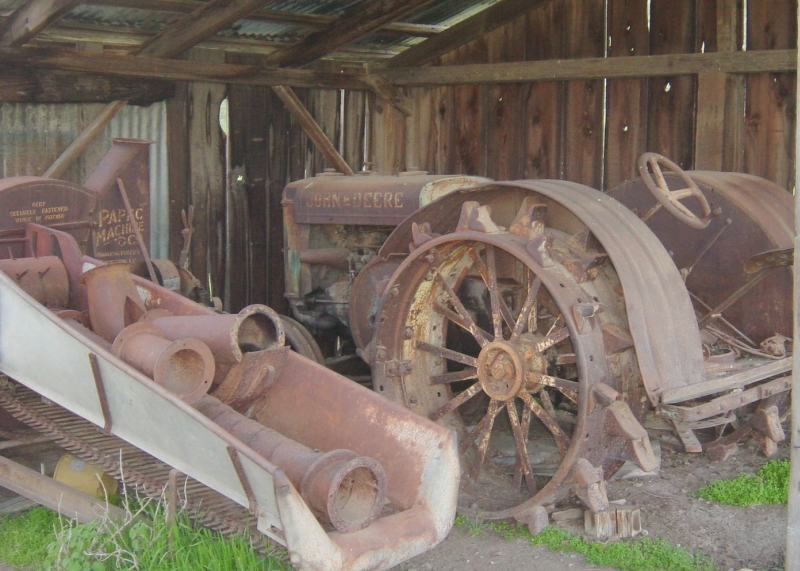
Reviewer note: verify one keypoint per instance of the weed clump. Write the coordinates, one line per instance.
(639, 555)
(770, 485)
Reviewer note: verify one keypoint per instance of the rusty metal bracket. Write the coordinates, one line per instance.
(101, 392)
(248, 489)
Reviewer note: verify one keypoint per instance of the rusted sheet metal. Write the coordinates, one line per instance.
(45, 279)
(113, 301)
(57, 203)
(756, 217)
(659, 311)
(367, 199)
(348, 489)
(114, 239)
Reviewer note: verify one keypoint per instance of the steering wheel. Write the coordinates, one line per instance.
(670, 199)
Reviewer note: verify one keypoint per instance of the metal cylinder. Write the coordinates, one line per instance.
(114, 302)
(346, 489)
(255, 328)
(45, 279)
(184, 367)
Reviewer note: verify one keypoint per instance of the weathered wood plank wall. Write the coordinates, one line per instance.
(593, 131)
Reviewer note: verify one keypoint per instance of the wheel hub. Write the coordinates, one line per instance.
(500, 370)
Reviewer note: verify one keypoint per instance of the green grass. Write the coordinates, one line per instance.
(769, 485)
(24, 537)
(638, 555)
(38, 539)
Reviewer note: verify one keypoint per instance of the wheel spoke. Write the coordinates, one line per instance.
(566, 359)
(456, 401)
(469, 324)
(494, 294)
(562, 385)
(446, 353)
(487, 279)
(458, 320)
(523, 461)
(525, 426)
(562, 440)
(527, 307)
(557, 324)
(483, 441)
(481, 427)
(453, 377)
(551, 340)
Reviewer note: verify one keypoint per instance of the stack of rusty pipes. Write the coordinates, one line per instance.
(236, 357)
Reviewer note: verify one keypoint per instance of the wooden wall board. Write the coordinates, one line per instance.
(584, 132)
(771, 98)
(178, 159)
(469, 132)
(281, 129)
(249, 187)
(207, 177)
(543, 101)
(504, 130)
(672, 99)
(353, 148)
(626, 131)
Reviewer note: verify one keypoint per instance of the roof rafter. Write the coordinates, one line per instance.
(465, 31)
(193, 28)
(31, 18)
(359, 21)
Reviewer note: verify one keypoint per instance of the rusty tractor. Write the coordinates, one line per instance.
(542, 319)
(162, 392)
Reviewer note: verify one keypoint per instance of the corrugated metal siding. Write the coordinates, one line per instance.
(32, 136)
(150, 123)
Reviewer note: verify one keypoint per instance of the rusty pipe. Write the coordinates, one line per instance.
(114, 302)
(347, 489)
(255, 328)
(45, 279)
(333, 257)
(184, 367)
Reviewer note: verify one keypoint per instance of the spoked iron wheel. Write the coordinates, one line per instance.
(488, 334)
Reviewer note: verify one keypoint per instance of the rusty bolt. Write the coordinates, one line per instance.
(408, 333)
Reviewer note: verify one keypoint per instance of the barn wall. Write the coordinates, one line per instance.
(593, 131)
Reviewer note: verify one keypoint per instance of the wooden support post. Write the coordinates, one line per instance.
(312, 129)
(79, 145)
(793, 515)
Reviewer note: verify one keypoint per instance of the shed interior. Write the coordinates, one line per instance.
(244, 96)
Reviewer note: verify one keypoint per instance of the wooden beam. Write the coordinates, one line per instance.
(264, 14)
(312, 129)
(204, 22)
(41, 86)
(463, 32)
(595, 68)
(31, 18)
(360, 20)
(174, 70)
(59, 497)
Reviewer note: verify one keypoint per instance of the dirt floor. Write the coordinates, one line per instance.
(734, 537)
